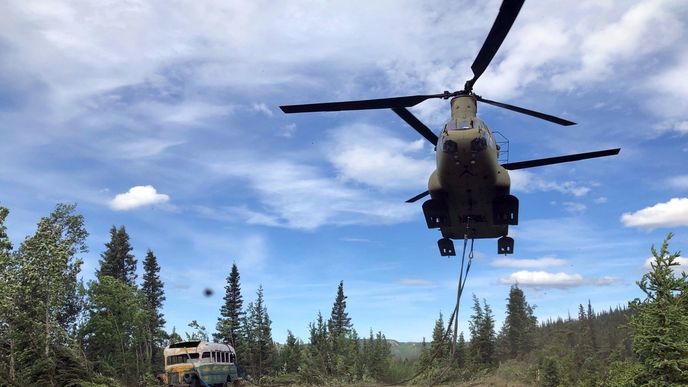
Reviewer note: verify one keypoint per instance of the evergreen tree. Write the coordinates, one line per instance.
(519, 325)
(117, 260)
(319, 348)
(339, 323)
(660, 322)
(440, 345)
(550, 373)
(291, 354)
(174, 337)
(590, 318)
(261, 345)
(154, 294)
(116, 329)
(229, 323)
(483, 334)
(460, 354)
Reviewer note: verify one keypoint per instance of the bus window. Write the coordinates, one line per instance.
(232, 358)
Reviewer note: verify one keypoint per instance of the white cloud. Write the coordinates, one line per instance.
(673, 213)
(601, 200)
(415, 282)
(633, 35)
(288, 130)
(543, 279)
(238, 213)
(529, 263)
(376, 157)
(681, 267)
(297, 195)
(143, 147)
(525, 181)
(606, 281)
(671, 126)
(680, 182)
(138, 196)
(574, 208)
(262, 108)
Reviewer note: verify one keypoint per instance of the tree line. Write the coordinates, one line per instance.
(56, 330)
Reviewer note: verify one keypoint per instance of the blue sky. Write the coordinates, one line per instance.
(163, 117)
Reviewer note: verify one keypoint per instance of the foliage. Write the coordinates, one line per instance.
(198, 332)
(117, 260)
(339, 323)
(291, 356)
(117, 329)
(660, 321)
(483, 337)
(154, 294)
(259, 339)
(519, 325)
(229, 323)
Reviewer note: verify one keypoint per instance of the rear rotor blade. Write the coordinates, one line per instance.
(416, 124)
(529, 112)
(560, 159)
(419, 196)
(366, 104)
(500, 28)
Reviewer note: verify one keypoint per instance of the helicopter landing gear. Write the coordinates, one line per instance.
(505, 209)
(505, 245)
(436, 213)
(446, 246)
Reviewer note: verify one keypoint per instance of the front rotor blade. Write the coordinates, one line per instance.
(419, 196)
(416, 124)
(560, 159)
(366, 104)
(529, 112)
(500, 28)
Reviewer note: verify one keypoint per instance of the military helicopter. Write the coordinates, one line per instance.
(469, 190)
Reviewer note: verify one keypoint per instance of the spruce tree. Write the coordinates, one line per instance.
(460, 354)
(231, 313)
(319, 349)
(117, 260)
(519, 325)
(154, 294)
(439, 346)
(291, 354)
(261, 344)
(660, 322)
(483, 334)
(339, 322)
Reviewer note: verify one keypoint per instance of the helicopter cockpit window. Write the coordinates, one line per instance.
(459, 125)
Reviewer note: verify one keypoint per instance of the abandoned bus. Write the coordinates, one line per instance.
(199, 363)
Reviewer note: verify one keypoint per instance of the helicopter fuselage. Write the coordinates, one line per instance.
(469, 179)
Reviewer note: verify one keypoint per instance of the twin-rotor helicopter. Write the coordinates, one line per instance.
(469, 190)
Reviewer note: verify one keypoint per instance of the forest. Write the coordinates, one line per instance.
(56, 330)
